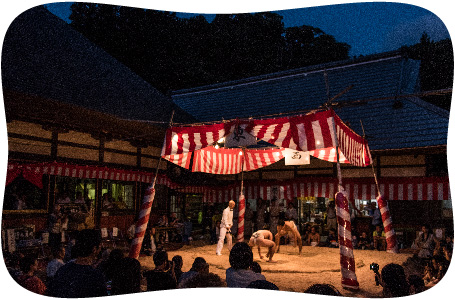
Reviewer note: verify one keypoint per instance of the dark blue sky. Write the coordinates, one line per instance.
(368, 27)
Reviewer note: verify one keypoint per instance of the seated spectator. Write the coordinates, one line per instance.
(162, 277)
(12, 264)
(127, 278)
(436, 271)
(110, 262)
(148, 243)
(426, 242)
(187, 230)
(163, 221)
(28, 266)
(305, 232)
(203, 280)
(240, 273)
(416, 284)
(199, 266)
(313, 237)
(364, 242)
(332, 239)
(262, 285)
(56, 263)
(78, 278)
(393, 281)
(256, 267)
(323, 289)
(178, 264)
(379, 242)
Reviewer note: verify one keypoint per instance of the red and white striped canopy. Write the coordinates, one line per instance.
(313, 132)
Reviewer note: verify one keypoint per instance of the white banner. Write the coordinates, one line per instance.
(294, 157)
(240, 138)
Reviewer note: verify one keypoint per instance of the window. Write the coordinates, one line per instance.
(75, 193)
(117, 195)
(22, 195)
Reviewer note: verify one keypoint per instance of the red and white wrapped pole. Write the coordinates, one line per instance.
(144, 213)
(241, 225)
(391, 237)
(141, 224)
(347, 262)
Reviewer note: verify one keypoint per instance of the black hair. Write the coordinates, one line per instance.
(199, 264)
(256, 267)
(128, 278)
(323, 289)
(263, 285)
(86, 240)
(178, 261)
(394, 279)
(241, 256)
(281, 222)
(27, 262)
(160, 257)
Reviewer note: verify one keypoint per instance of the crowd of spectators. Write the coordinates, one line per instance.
(90, 272)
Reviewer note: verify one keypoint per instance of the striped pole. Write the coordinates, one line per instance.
(144, 213)
(142, 222)
(391, 237)
(347, 262)
(241, 225)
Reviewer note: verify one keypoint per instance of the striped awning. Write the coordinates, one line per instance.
(399, 188)
(313, 132)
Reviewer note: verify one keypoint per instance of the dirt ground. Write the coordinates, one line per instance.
(294, 273)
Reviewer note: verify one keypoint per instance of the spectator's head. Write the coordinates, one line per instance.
(58, 252)
(394, 281)
(426, 228)
(263, 285)
(87, 243)
(313, 229)
(323, 289)
(200, 265)
(241, 256)
(256, 267)
(178, 262)
(160, 258)
(128, 278)
(378, 228)
(364, 234)
(290, 205)
(231, 204)
(204, 280)
(29, 263)
(416, 284)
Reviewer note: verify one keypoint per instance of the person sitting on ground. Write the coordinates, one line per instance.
(263, 238)
(332, 239)
(127, 278)
(364, 242)
(256, 267)
(313, 237)
(262, 285)
(177, 260)
(78, 278)
(416, 284)
(203, 280)
(56, 263)
(110, 262)
(162, 277)
(393, 281)
(284, 227)
(28, 280)
(305, 232)
(240, 273)
(322, 289)
(426, 242)
(379, 242)
(437, 270)
(199, 266)
(12, 264)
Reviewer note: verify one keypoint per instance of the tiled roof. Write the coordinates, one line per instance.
(43, 56)
(409, 123)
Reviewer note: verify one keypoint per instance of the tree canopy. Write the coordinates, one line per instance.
(174, 53)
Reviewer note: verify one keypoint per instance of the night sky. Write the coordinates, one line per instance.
(368, 27)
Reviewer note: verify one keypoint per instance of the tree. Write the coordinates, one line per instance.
(436, 67)
(174, 53)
